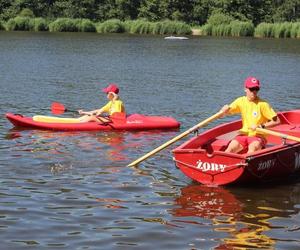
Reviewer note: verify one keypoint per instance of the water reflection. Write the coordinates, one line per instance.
(54, 143)
(12, 134)
(116, 145)
(108, 147)
(245, 216)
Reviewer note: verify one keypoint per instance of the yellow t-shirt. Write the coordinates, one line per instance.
(252, 113)
(113, 107)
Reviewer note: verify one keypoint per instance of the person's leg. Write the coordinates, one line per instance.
(91, 118)
(254, 146)
(234, 147)
(85, 118)
(255, 143)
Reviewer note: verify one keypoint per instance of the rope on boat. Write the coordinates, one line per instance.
(236, 166)
(286, 120)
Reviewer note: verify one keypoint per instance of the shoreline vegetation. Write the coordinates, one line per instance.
(216, 25)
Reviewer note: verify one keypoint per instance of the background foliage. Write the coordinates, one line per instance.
(195, 12)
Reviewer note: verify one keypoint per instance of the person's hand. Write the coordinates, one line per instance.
(224, 110)
(81, 112)
(254, 127)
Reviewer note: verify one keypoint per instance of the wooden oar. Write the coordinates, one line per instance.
(175, 139)
(58, 108)
(284, 136)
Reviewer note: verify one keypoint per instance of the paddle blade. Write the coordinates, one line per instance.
(57, 108)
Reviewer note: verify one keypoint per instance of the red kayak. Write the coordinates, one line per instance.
(202, 158)
(131, 122)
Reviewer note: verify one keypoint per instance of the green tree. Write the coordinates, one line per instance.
(151, 10)
(189, 11)
(287, 10)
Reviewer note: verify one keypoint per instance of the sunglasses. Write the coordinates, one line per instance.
(254, 89)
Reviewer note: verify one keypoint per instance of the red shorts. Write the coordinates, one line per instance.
(245, 140)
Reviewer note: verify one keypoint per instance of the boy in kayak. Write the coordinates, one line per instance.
(255, 112)
(115, 105)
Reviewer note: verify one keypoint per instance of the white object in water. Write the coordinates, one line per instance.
(176, 38)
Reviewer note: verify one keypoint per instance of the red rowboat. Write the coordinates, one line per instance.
(202, 158)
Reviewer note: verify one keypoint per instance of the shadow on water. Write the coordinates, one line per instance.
(248, 217)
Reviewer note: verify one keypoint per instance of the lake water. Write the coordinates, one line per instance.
(73, 190)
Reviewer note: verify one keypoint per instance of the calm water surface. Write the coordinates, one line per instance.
(73, 190)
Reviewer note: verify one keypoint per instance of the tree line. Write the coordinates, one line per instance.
(194, 12)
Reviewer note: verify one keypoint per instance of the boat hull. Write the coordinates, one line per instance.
(203, 157)
(132, 122)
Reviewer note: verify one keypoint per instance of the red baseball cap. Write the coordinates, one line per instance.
(111, 88)
(252, 82)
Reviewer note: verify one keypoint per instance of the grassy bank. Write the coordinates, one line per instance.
(234, 28)
(85, 25)
(218, 25)
(26, 24)
(278, 30)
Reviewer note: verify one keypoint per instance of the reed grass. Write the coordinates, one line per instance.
(19, 23)
(206, 29)
(239, 28)
(281, 30)
(63, 25)
(142, 26)
(295, 30)
(264, 30)
(234, 28)
(139, 26)
(158, 26)
(38, 24)
(173, 27)
(221, 30)
(85, 25)
(127, 25)
(218, 25)
(278, 30)
(26, 24)
(110, 26)
(72, 25)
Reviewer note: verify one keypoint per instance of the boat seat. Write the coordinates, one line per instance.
(216, 145)
(220, 144)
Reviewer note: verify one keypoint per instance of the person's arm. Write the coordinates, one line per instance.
(231, 108)
(271, 123)
(104, 109)
(271, 115)
(81, 112)
(96, 112)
